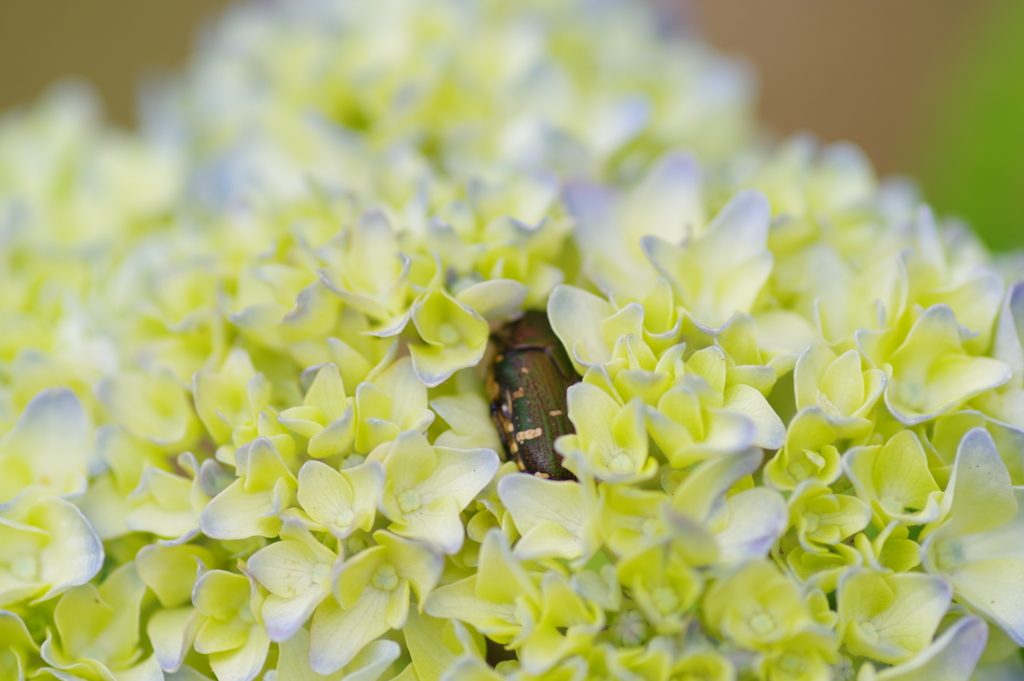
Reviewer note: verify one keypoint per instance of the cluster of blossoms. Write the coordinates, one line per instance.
(245, 428)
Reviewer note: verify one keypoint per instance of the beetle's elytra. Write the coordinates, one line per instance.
(530, 376)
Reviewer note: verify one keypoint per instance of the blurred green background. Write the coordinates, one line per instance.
(929, 88)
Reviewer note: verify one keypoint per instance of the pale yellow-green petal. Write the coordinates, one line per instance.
(337, 635)
(74, 554)
(495, 298)
(414, 561)
(47, 448)
(171, 571)
(171, 633)
(460, 474)
(952, 656)
(576, 318)
(244, 663)
(551, 515)
(236, 514)
(890, 618)
(151, 406)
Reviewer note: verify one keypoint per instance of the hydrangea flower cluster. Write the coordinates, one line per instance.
(245, 428)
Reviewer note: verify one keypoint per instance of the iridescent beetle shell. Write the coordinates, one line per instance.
(529, 379)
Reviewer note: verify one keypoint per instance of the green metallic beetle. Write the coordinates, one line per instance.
(529, 379)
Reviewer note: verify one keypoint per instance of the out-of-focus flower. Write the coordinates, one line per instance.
(556, 519)
(97, 630)
(612, 438)
(720, 272)
(970, 544)
(954, 654)
(247, 415)
(344, 501)
(931, 373)
(839, 387)
(393, 402)
(895, 480)
(371, 596)
(297, 572)
(47, 451)
(251, 504)
(370, 664)
(428, 487)
(49, 548)
(756, 607)
(18, 648)
(229, 628)
(890, 618)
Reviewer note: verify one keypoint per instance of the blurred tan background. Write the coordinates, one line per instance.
(112, 43)
(883, 74)
(866, 71)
